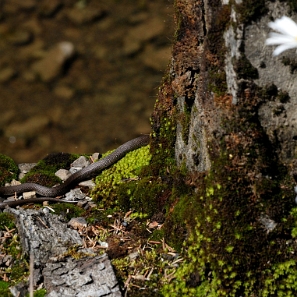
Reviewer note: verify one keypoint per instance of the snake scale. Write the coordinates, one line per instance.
(86, 173)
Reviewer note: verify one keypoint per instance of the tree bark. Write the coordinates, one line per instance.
(233, 109)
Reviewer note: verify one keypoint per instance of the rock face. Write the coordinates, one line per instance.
(246, 58)
(278, 116)
(232, 106)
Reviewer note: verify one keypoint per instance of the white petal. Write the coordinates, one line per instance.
(282, 48)
(284, 25)
(276, 38)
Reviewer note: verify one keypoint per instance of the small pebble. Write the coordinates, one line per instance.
(77, 223)
(28, 195)
(63, 174)
(81, 162)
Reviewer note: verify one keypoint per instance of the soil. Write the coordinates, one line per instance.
(79, 76)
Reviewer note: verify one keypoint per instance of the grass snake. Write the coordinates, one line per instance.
(85, 173)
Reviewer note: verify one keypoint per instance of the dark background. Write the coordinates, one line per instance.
(100, 97)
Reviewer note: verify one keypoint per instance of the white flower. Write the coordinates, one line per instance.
(286, 39)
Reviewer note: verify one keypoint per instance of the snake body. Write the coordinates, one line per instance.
(86, 173)
(31, 200)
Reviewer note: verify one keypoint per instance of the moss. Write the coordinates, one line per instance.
(144, 196)
(39, 293)
(292, 63)
(229, 251)
(7, 220)
(18, 269)
(125, 170)
(152, 262)
(4, 289)
(44, 171)
(75, 253)
(245, 69)
(216, 46)
(251, 10)
(68, 210)
(8, 169)
(283, 97)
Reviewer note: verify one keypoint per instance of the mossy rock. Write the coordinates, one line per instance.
(44, 171)
(8, 169)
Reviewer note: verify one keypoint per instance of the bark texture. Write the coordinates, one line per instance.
(47, 239)
(233, 106)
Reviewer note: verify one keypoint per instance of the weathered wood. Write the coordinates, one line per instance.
(47, 238)
(43, 234)
(88, 277)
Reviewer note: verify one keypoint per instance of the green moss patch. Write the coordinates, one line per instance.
(125, 170)
(232, 249)
(44, 172)
(8, 169)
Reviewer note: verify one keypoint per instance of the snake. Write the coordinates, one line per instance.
(83, 174)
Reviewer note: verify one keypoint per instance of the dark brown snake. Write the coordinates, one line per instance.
(86, 173)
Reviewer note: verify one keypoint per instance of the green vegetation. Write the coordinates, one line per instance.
(124, 171)
(8, 169)
(44, 172)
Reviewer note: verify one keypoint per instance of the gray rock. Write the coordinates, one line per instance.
(77, 223)
(88, 183)
(63, 174)
(75, 194)
(81, 162)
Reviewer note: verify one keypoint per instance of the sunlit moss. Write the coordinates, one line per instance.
(125, 170)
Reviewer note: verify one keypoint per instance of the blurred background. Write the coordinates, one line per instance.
(79, 76)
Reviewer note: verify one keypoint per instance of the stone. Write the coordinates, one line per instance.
(88, 183)
(81, 162)
(139, 34)
(77, 223)
(64, 92)
(63, 174)
(28, 195)
(27, 129)
(85, 15)
(6, 74)
(75, 194)
(51, 66)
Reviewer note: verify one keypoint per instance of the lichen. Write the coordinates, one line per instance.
(250, 10)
